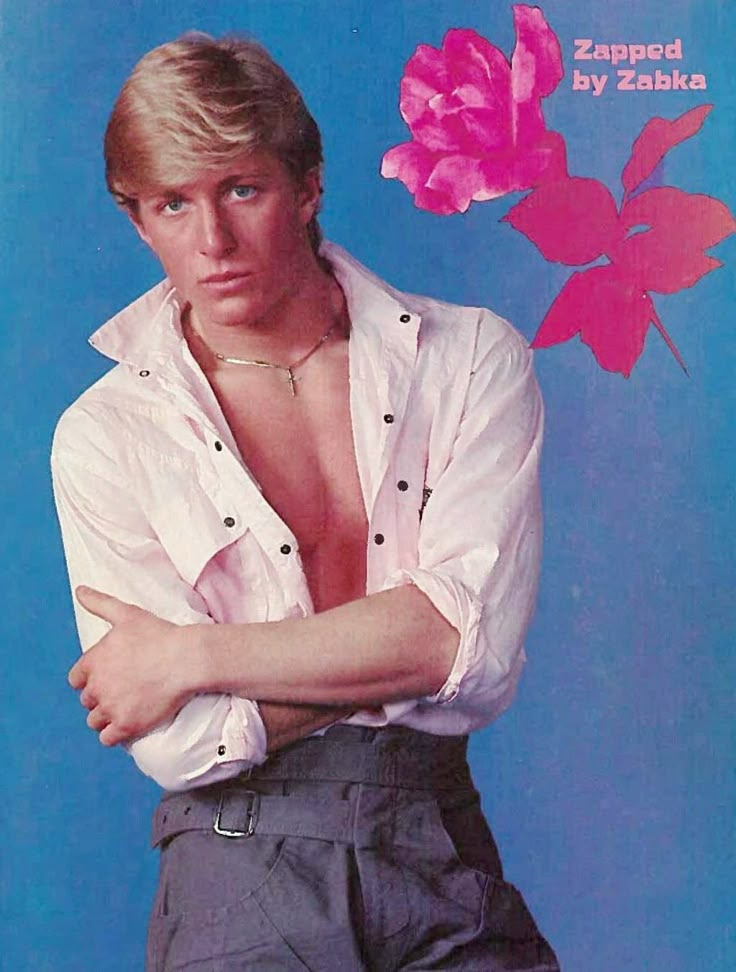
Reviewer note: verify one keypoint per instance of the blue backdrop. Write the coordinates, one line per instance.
(610, 782)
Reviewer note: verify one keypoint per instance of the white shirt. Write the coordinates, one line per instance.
(157, 507)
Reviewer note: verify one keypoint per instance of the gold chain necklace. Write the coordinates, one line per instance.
(289, 369)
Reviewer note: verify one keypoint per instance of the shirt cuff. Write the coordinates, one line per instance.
(243, 734)
(459, 607)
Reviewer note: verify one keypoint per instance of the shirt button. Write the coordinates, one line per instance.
(388, 418)
(218, 446)
(405, 318)
(379, 538)
(221, 750)
(402, 485)
(285, 548)
(229, 521)
(144, 373)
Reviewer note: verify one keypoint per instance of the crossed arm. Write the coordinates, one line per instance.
(306, 673)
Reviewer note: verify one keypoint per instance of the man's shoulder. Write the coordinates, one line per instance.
(461, 336)
(443, 323)
(96, 419)
(477, 322)
(103, 409)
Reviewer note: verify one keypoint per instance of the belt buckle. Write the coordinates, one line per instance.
(251, 814)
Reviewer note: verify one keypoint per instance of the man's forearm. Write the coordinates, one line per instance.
(388, 646)
(286, 723)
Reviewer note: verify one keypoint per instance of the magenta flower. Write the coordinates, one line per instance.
(476, 121)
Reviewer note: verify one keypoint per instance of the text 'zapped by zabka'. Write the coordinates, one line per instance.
(664, 78)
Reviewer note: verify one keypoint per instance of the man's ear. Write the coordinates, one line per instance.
(310, 193)
(134, 217)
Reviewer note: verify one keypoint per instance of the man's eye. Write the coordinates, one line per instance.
(244, 192)
(173, 206)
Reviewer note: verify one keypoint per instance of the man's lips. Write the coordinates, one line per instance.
(223, 278)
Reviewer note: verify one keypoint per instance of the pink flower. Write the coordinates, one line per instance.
(476, 121)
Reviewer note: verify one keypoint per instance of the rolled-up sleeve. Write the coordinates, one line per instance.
(481, 532)
(109, 545)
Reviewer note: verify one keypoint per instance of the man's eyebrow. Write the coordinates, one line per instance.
(241, 176)
(244, 175)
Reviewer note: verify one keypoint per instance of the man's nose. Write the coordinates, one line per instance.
(216, 238)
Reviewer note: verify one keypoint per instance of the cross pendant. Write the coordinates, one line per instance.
(292, 385)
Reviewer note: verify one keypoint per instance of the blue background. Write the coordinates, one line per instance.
(610, 783)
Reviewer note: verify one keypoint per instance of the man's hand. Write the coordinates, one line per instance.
(133, 678)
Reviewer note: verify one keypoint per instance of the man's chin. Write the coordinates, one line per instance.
(231, 311)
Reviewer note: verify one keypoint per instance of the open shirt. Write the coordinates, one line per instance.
(158, 508)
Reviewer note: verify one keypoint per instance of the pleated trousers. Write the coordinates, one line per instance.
(362, 849)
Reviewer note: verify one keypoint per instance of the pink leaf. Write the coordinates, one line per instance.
(609, 311)
(669, 255)
(572, 220)
(657, 137)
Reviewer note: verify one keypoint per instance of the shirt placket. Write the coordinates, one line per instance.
(382, 415)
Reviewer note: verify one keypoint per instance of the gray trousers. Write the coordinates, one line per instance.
(362, 849)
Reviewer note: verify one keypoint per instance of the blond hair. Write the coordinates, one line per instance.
(197, 101)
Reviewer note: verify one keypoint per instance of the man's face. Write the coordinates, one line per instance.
(233, 240)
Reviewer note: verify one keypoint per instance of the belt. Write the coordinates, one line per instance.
(236, 812)
(385, 757)
(393, 757)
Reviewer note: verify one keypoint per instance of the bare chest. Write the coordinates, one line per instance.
(300, 450)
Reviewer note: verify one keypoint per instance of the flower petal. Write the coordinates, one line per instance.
(473, 61)
(536, 64)
(414, 165)
(427, 67)
(487, 129)
(518, 169)
(457, 178)
(409, 162)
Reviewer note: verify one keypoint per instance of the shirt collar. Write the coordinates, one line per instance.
(148, 332)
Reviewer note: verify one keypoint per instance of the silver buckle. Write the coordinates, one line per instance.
(251, 814)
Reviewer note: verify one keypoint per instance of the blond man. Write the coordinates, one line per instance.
(311, 503)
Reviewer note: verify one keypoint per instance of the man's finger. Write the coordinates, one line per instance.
(87, 698)
(97, 720)
(104, 606)
(110, 736)
(78, 673)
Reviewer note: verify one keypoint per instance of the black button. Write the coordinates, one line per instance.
(218, 446)
(388, 418)
(402, 485)
(221, 750)
(144, 373)
(405, 318)
(229, 521)
(379, 538)
(285, 548)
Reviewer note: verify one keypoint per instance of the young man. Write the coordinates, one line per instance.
(343, 479)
